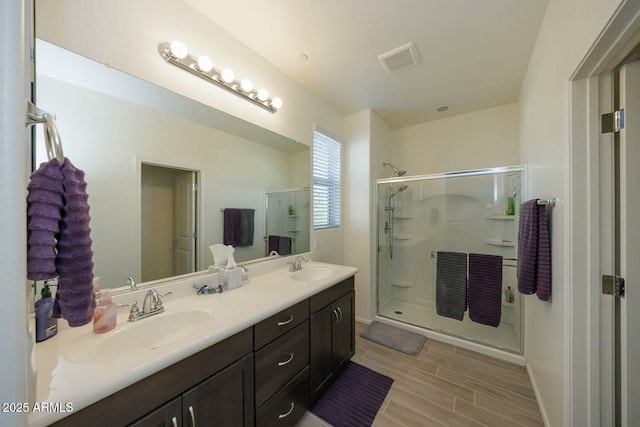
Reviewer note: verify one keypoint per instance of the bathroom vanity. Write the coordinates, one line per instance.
(271, 348)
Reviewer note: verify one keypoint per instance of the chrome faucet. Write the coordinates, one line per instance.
(296, 265)
(132, 284)
(152, 305)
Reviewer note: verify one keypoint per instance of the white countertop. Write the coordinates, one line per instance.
(69, 378)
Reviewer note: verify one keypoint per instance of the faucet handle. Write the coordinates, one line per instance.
(157, 300)
(135, 311)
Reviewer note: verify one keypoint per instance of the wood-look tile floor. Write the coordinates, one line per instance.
(446, 385)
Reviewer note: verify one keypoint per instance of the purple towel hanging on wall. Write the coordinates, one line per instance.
(534, 251)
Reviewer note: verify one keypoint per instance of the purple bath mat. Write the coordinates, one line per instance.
(354, 398)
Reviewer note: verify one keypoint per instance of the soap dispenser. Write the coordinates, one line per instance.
(104, 316)
(46, 324)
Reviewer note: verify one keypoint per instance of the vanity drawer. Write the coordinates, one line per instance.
(276, 325)
(280, 361)
(331, 294)
(288, 405)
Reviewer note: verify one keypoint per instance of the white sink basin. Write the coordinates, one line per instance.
(313, 272)
(142, 336)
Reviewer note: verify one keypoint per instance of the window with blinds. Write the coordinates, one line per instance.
(326, 182)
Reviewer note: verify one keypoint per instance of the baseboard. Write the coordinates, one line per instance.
(532, 380)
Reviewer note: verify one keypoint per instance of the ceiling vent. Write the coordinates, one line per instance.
(400, 59)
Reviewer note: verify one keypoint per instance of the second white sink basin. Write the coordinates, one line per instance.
(142, 336)
(313, 272)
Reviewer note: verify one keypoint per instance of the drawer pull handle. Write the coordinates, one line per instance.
(285, 415)
(340, 312)
(335, 313)
(193, 416)
(286, 322)
(286, 362)
(174, 421)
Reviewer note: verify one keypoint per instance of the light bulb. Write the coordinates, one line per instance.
(263, 95)
(246, 85)
(204, 64)
(227, 75)
(276, 102)
(178, 49)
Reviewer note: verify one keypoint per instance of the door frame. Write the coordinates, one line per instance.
(588, 392)
(200, 223)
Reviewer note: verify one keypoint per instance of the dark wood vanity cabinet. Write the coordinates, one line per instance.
(332, 334)
(266, 375)
(217, 381)
(225, 399)
(282, 367)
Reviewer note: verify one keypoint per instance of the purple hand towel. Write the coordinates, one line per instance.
(534, 251)
(44, 211)
(75, 300)
(485, 289)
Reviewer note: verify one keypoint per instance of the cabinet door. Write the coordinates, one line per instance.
(320, 359)
(226, 399)
(343, 337)
(169, 415)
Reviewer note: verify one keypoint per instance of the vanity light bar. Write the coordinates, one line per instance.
(176, 53)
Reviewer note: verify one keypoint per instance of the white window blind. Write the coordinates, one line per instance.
(326, 182)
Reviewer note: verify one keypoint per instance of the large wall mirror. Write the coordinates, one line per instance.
(162, 169)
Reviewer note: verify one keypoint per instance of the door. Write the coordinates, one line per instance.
(224, 400)
(343, 331)
(628, 346)
(185, 220)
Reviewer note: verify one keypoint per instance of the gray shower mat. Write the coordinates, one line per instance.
(395, 338)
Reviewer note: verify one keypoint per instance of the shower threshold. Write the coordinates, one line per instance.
(502, 338)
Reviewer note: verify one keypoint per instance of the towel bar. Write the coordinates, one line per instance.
(434, 255)
(547, 202)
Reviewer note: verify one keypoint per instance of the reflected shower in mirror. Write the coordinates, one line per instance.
(288, 214)
(161, 168)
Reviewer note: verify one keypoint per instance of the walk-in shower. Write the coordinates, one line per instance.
(469, 213)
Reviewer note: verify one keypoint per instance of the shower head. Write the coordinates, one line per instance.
(402, 188)
(396, 171)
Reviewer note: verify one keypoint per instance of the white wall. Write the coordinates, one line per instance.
(569, 29)
(481, 139)
(134, 31)
(366, 148)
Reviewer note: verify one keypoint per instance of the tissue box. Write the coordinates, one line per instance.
(230, 279)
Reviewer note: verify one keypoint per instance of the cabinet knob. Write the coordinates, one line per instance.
(286, 414)
(340, 312)
(174, 422)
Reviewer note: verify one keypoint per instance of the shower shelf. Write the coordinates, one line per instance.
(402, 217)
(500, 242)
(400, 237)
(501, 217)
(401, 283)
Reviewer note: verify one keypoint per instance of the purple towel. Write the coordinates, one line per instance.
(75, 300)
(59, 242)
(44, 212)
(534, 251)
(485, 289)
(238, 227)
(451, 284)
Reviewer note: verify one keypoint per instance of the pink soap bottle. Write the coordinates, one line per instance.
(104, 316)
